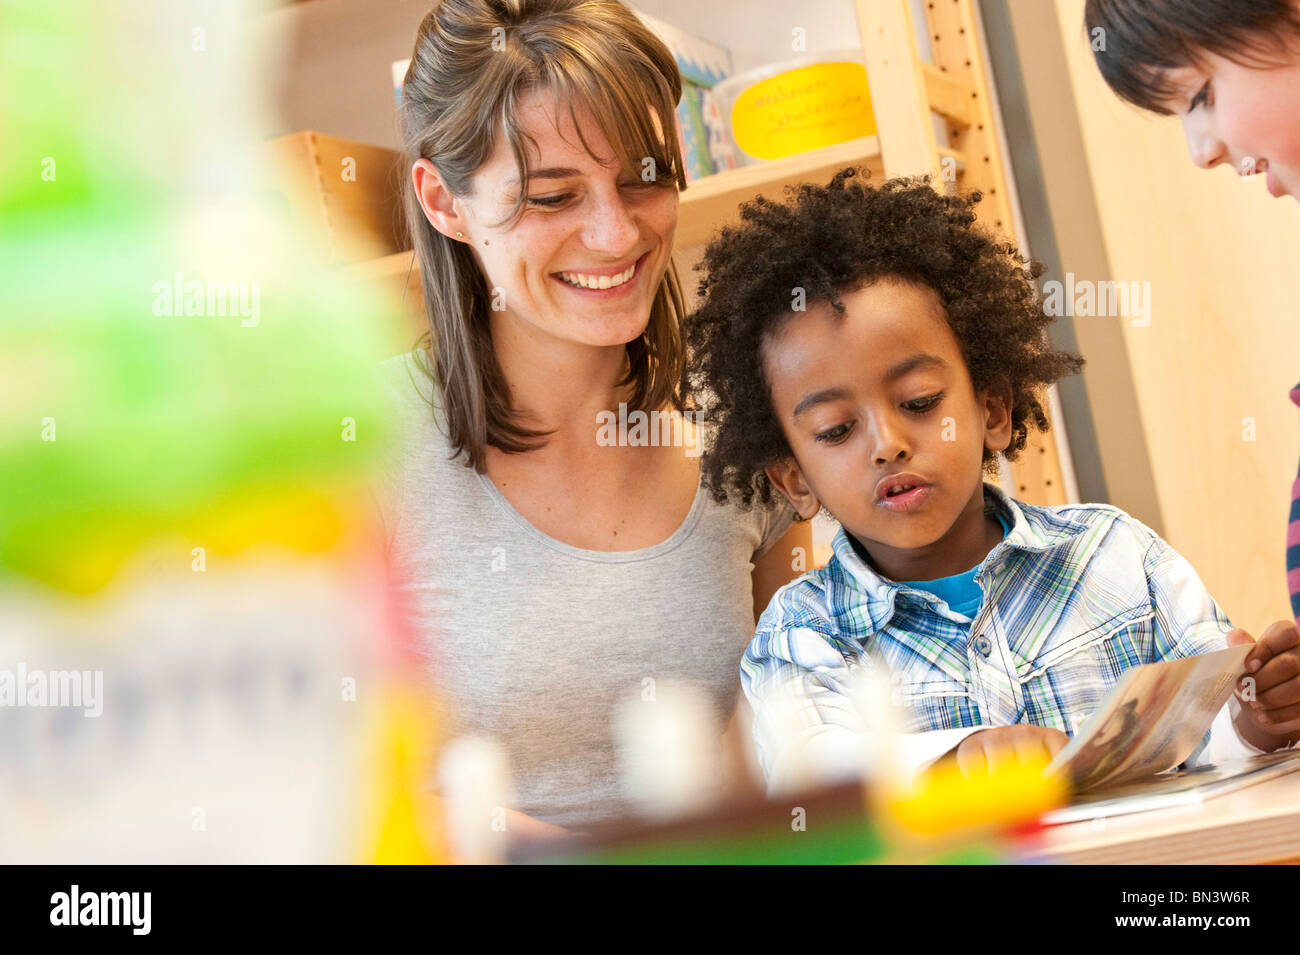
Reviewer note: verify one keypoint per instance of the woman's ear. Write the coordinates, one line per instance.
(439, 205)
(788, 479)
(996, 401)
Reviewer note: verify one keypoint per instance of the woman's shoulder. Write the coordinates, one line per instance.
(409, 380)
(766, 521)
(762, 523)
(414, 405)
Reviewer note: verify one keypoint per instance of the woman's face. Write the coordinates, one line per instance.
(1246, 116)
(586, 224)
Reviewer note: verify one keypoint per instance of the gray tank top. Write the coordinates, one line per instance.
(534, 642)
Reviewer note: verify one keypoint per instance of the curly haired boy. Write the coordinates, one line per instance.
(872, 351)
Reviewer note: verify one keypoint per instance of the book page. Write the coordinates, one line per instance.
(1151, 720)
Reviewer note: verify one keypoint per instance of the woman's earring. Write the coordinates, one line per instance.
(460, 235)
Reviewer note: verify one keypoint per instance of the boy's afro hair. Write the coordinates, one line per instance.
(830, 240)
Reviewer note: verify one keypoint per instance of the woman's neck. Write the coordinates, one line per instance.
(558, 386)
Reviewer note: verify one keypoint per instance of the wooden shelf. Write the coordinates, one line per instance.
(385, 268)
(707, 204)
(712, 202)
(948, 97)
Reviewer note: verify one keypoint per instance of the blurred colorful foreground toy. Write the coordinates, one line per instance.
(949, 820)
(190, 418)
(879, 815)
(170, 362)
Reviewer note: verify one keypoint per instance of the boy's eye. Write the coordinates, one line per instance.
(1201, 98)
(833, 435)
(920, 405)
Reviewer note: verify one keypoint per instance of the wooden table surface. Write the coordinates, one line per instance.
(1257, 824)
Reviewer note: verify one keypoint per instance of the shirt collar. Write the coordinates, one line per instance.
(1034, 530)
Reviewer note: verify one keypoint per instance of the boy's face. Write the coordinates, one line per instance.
(887, 431)
(1246, 116)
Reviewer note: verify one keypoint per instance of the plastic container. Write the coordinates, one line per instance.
(798, 105)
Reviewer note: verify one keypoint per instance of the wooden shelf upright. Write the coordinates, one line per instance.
(905, 91)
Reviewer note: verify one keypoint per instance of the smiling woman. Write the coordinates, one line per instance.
(551, 565)
(486, 81)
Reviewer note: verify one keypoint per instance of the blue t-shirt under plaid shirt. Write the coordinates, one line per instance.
(1074, 596)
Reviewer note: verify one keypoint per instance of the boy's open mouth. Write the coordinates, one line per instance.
(901, 492)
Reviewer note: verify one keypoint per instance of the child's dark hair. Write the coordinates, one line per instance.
(829, 240)
(1136, 41)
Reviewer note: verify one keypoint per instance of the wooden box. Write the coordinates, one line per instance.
(344, 197)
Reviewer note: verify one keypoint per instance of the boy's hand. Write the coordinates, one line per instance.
(980, 753)
(1270, 691)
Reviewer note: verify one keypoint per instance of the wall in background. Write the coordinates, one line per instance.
(336, 75)
(1211, 371)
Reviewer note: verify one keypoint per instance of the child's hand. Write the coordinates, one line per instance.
(980, 753)
(1270, 691)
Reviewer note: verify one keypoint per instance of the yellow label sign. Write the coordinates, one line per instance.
(803, 109)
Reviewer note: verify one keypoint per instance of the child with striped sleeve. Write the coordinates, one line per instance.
(1230, 71)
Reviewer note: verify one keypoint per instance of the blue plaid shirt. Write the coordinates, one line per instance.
(1073, 597)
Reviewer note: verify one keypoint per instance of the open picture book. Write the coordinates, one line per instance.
(1127, 757)
(1151, 721)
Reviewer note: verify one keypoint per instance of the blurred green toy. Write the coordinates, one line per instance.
(170, 364)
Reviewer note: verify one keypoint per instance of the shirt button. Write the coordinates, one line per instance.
(984, 645)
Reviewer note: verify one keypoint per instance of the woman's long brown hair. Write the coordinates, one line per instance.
(472, 63)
